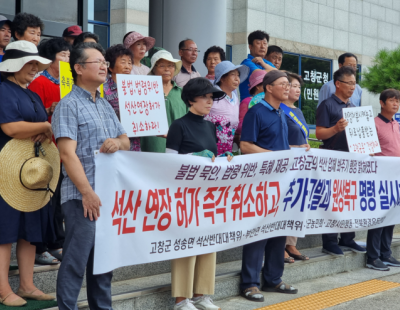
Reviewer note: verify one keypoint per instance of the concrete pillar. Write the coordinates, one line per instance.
(204, 21)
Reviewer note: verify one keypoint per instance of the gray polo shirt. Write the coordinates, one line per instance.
(329, 112)
(184, 76)
(89, 124)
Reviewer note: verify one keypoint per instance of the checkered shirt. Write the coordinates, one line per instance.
(89, 124)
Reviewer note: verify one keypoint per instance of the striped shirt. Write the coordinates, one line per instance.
(89, 124)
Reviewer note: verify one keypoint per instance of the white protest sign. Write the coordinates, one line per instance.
(142, 105)
(361, 131)
(164, 206)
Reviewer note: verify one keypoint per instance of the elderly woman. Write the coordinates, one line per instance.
(22, 116)
(191, 134)
(139, 45)
(296, 137)
(164, 65)
(225, 112)
(212, 57)
(47, 86)
(120, 59)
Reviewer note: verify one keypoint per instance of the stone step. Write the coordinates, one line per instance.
(45, 276)
(154, 292)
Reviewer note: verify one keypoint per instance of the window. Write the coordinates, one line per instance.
(99, 20)
(7, 7)
(228, 52)
(315, 73)
(63, 12)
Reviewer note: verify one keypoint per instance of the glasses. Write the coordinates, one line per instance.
(283, 85)
(99, 62)
(348, 83)
(191, 50)
(166, 66)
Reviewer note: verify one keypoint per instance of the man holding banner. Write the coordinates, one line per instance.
(83, 122)
(379, 240)
(331, 130)
(265, 130)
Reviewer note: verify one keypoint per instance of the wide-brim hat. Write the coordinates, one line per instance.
(19, 53)
(201, 86)
(167, 56)
(136, 36)
(27, 181)
(256, 78)
(226, 66)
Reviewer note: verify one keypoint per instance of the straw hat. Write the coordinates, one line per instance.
(19, 53)
(167, 56)
(27, 181)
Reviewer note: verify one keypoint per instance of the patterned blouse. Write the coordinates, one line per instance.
(111, 95)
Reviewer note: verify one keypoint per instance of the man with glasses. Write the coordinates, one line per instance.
(82, 123)
(331, 130)
(188, 52)
(328, 89)
(265, 130)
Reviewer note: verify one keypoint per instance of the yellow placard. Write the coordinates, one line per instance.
(66, 80)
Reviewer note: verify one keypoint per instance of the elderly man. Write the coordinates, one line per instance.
(328, 89)
(331, 130)
(188, 52)
(258, 46)
(82, 123)
(265, 130)
(5, 34)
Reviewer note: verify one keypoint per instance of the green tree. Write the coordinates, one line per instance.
(385, 72)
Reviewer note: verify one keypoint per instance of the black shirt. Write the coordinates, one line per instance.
(329, 112)
(191, 133)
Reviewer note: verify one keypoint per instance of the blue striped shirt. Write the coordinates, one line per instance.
(89, 124)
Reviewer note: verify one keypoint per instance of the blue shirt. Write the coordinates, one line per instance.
(1, 58)
(296, 136)
(266, 127)
(328, 89)
(89, 124)
(328, 114)
(244, 87)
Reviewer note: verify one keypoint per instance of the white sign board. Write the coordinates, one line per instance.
(361, 131)
(142, 105)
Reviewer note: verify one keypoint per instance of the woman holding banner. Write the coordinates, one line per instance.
(298, 135)
(121, 60)
(47, 86)
(164, 65)
(191, 134)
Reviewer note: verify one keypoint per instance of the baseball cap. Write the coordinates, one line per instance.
(72, 31)
(4, 20)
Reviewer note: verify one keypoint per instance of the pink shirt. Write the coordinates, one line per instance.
(243, 108)
(388, 135)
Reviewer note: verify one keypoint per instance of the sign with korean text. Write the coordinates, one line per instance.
(165, 206)
(361, 131)
(142, 105)
(66, 80)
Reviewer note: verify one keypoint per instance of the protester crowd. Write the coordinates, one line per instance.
(251, 104)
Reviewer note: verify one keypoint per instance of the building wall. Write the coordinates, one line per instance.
(321, 28)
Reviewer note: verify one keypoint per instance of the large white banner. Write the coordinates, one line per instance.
(164, 206)
(142, 105)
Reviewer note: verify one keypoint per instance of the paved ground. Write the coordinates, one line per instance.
(382, 300)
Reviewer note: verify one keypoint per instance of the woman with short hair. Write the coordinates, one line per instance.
(22, 116)
(225, 112)
(296, 137)
(139, 45)
(120, 59)
(194, 276)
(47, 86)
(86, 37)
(27, 27)
(212, 57)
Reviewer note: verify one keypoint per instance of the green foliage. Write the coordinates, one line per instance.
(313, 144)
(385, 72)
